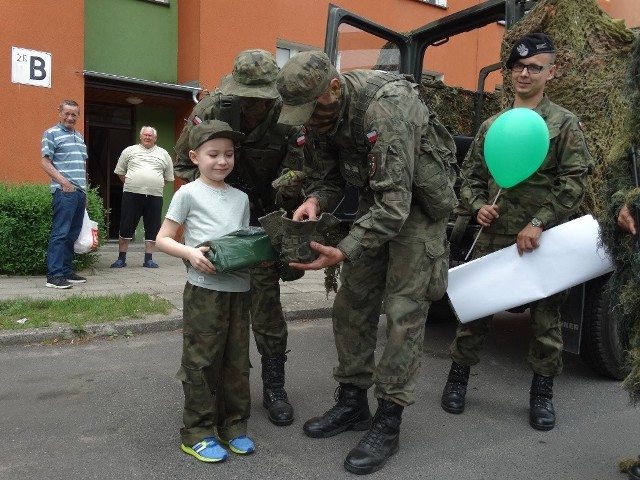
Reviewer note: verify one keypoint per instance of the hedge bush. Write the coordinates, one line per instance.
(25, 225)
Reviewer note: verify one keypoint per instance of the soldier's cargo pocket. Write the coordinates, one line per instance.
(438, 263)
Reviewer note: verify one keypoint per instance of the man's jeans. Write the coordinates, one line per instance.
(68, 214)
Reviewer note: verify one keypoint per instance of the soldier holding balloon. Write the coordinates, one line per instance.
(526, 171)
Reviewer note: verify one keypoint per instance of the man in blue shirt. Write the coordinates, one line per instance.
(64, 156)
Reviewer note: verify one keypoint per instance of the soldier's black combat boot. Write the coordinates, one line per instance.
(455, 389)
(379, 443)
(542, 416)
(351, 412)
(634, 472)
(274, 396)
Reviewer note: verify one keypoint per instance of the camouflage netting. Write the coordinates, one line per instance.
(619, 190)
(593, 56)
(456, 106)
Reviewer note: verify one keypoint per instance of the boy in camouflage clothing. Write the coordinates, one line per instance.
(215, 356)
(248, 101)
(370, 128)
(549, 197)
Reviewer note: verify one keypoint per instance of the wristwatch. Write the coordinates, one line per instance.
(536, 222)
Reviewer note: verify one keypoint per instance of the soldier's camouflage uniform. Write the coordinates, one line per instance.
(261, 158)
(394, 249)
(553, 194)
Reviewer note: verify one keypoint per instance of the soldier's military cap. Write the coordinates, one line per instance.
(530, 45)
(212, 129)
(303, 79)
(254, 75)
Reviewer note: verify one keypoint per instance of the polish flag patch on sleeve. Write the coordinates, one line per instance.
(372, 136)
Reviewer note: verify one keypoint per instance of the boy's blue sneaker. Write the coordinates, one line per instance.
(241, 445)
(208, 450)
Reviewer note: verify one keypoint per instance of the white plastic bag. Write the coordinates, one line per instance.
(88, 238)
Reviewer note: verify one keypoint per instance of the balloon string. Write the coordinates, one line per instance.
(482, 228)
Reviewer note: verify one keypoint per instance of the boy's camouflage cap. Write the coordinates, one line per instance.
(530, 45)
(303, 79)
(254, 75)
(212, 129)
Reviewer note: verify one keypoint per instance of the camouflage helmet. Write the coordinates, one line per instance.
(302, 80)
(254, 75)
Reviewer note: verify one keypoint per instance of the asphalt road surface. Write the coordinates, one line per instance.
(111, 409)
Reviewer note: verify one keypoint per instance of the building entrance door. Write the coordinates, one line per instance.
(109, 131)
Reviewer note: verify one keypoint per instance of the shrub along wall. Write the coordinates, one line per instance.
(25, 225)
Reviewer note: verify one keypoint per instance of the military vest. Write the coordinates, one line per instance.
(434, 173)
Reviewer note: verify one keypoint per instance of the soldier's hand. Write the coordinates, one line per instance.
(626, 221)
(309, 210)
(528, 239)
(200, 262)
(327, 257)
(487, 214)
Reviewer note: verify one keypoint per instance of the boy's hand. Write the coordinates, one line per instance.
(200, 262)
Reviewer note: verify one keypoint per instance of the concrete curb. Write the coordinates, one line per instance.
(151, 324)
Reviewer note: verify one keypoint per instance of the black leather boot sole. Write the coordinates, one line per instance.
(370, 469)
(541, 426)
(447, 407)
(282, 414)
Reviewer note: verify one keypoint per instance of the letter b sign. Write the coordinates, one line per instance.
(30, 67)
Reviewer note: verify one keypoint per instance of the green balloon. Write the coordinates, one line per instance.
(515, 146)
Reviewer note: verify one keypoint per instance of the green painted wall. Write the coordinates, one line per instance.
(133, 38)
(163, 120)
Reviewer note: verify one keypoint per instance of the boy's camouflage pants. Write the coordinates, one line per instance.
(545, 348)
(401, 270)
(215, 364)
(267, 320)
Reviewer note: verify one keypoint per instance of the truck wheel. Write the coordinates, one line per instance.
(603, 344)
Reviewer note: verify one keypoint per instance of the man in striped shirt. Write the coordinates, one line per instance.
(64, 156)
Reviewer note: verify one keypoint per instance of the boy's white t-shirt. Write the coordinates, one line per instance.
(207, 213)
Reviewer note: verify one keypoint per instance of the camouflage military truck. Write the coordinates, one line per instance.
(588, 329)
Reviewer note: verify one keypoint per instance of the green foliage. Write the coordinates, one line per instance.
(25, 225)
(79, 311)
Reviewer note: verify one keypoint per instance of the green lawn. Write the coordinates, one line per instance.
(78, 311)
